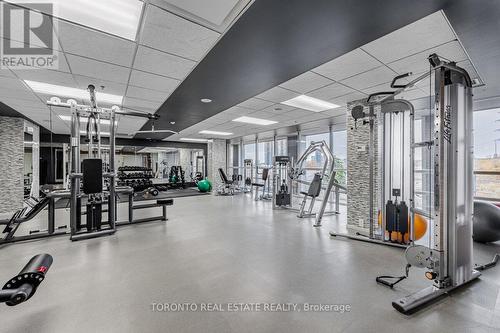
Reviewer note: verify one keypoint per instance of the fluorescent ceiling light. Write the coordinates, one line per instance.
(256, 121)
(62, 91)
(84, 120)
(102, 133)
(117, 17)
(215, 133)
(310, 103)
(193, 140)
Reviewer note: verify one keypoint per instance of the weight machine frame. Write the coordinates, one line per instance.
(328, 170)
(75, 174)
(449, 257)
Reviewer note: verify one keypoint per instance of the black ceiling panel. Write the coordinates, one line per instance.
(275, 41)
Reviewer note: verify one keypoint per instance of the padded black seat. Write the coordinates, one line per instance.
(314, 188)
(224, 178)
(265, 175)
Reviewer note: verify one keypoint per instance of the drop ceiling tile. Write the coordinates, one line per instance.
(170, 33)
(467, 65)
(276, 109)
(217, 13)
(418, 63)
(152, 81)
(105, 86)
(331, 91)
(306, 82)
(140, 105)
(20, 97)
(343, 100)
(298, 113)
(6, 72)
(412, 94)
(380, 88)
(348, 65)
(277, 95)
(335, 112)
(85, 42)
(130, 125)
(47, 76)
(147, 94)
(154, 61)
(97, 69)
(371, 78)
(236, 110)
(428, 32)
(255, 104)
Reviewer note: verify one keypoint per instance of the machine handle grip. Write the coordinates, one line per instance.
(393, 83)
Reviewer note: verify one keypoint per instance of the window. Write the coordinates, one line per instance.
(281, 147)
(487, 154)
(266, 153)
(249, 150)
(340, 152)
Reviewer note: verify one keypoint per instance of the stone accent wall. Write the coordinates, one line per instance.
(358, 194)
(217, 155)
(11, 164)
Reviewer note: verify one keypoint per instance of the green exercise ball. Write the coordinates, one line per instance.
(204, 185)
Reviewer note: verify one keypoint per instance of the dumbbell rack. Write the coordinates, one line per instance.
(139, 178)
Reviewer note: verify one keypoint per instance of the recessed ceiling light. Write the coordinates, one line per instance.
(193, 140)
(206, 100)
(215, 133)
(52, 89)
(310, 103)
(102, 133)
(117, 17)
(256, 121)
(278, 109)
(172, 123)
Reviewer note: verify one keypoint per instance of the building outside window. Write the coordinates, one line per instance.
(487, 154)
(249, 151)
(281, 147)
(266, 153)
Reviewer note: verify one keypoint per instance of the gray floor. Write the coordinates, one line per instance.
(232, 249)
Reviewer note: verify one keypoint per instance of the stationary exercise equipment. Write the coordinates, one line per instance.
(92, 176)
(262, 185)
(248, 175)
(176, 177)
(227, 187)
(23, 286)
(288, 175)
(448, 257)
(282, 183)
(395, 132)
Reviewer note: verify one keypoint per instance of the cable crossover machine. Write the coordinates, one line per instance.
(447, 257)
(90, 172)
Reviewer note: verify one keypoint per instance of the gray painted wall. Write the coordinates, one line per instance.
(358, 194)
(11, 163)
(217, 154)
